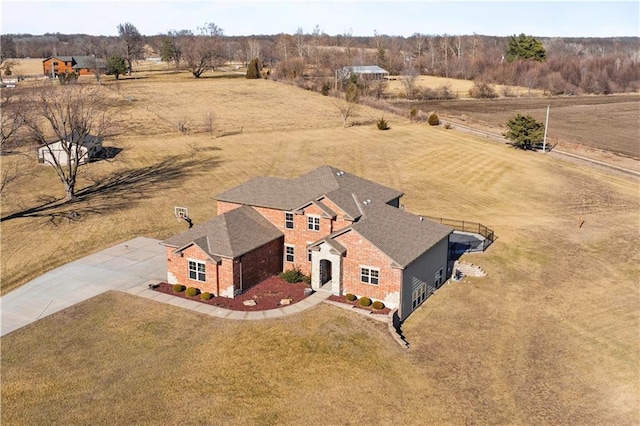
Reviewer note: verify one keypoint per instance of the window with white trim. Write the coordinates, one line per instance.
(288, 220)
(197, 271)
(313, 223)
(369, 275)
(289, 253)
(438, 278)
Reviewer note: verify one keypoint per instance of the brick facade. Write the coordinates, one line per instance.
(230, 275)
(333, 267)
(361, 252)
(300, 235)
(260, 264)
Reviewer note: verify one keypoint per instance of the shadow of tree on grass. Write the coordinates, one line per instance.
(120, 190)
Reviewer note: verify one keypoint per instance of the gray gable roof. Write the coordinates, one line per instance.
(232, 234)
(88, 62)
(292, 194)
(400, 235)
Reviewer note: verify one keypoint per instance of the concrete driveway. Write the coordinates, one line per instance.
(133, 263)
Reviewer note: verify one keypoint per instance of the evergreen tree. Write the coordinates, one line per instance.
(167, 51)
(524, 132)
(116, 65)
(525, 47)
(253, 71)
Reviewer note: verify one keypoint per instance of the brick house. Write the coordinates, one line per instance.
(348, 233)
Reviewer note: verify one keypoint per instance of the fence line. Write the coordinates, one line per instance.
(465, 226)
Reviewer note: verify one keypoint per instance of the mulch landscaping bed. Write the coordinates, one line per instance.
(342, 299)
(267, 295)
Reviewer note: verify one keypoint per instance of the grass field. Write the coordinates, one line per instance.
(460, 88)
(31, 66)
(604, 122)
(549, 336)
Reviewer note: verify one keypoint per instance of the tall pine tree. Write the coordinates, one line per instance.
(524, 47)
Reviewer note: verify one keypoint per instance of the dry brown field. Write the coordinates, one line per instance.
(460, 88)
(604, 122)
(549, 336)
(31, 66)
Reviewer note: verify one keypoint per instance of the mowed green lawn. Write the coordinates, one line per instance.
(549, 336)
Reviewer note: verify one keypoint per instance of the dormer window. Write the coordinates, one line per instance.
(288, 220)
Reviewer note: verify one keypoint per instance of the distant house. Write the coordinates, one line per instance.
(347, 232)
(81, 65)
(368, 72)
(62, 151)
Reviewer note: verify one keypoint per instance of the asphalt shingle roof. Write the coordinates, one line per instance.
(232, 234)
(291, 194)
(400, 235)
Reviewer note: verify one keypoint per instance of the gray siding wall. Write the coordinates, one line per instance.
(421, 271)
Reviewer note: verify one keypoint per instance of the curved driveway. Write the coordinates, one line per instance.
(129, 267)
(135, 263)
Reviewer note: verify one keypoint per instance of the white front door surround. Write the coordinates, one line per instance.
(334, 259)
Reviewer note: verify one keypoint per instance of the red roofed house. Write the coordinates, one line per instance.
(347, 232)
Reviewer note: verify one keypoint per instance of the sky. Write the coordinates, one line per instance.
(361, 18)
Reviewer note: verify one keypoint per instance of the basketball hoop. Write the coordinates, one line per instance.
(181, 213)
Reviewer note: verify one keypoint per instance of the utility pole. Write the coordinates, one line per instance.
(546, 124)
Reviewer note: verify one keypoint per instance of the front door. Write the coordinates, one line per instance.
(325, 271)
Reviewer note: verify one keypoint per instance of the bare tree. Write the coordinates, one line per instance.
(98, 66)
(214, 33)
(67, 118)
(410, 83)
(133, 45)
(299, 39)
(11, 173)
(347, 110)
(197, 54)
(347, 38)
(378, 88)
(12, 118)
(201, 51)
(173, 46)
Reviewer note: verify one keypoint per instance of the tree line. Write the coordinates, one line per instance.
(558, 65)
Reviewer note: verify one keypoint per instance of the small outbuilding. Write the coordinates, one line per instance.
(367, 72)
(66, 150)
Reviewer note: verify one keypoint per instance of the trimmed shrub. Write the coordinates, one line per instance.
(433, 119)
(205, 296)
(382, 124)
(377, 305)
(350, 297)
(178, 288)
(364, 301)
(294, 275)
(192, 291)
